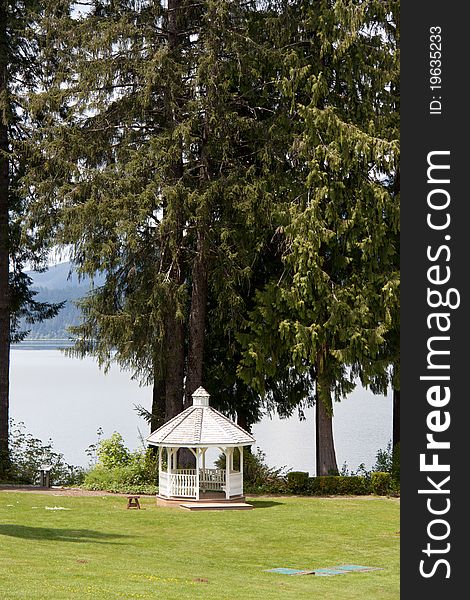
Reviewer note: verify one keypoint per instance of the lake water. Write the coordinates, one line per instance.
(68, 399)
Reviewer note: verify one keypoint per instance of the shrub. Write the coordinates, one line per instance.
(125, 479)
(331, 485)
(383, 460)
(380, 483)
(112, 452)
(119, 470)
(388, 461)
(137, 475)
(28, 453)
(258, 477)
(297, 482)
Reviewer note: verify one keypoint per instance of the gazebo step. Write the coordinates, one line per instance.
(162, 501)
(212, 496)
(216, 506)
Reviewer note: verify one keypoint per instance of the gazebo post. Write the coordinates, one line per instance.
(169, 454)
(228, 453)
(160, 450)
(203, 452)
(240, 450)
(197, 473)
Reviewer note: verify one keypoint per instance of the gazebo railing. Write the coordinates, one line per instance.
(163, 484)
(182, 483)
(236, 484)
(212, 479)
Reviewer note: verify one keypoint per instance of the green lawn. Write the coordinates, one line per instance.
(100, 550)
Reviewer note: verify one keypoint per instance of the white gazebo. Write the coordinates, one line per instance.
(199, 428)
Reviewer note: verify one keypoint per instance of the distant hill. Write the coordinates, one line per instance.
(62, 276)
(57, 284)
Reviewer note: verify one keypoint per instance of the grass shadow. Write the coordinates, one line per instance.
(264, 503)
(59, 535)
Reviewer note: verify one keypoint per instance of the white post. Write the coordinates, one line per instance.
(169, 453)
(240, 449)
(228, 461)
(203, 450)
(197, 472)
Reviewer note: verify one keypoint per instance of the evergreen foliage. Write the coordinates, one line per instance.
(20, 73)
(337, 303)
(231, 169)
(162, 162)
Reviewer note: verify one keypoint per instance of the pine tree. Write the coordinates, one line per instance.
(180, 145)
(19, 248)
(111, 140)
(337, 301)
(162, 159)
(350, 138)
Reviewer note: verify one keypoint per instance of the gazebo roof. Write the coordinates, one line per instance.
(200, 425)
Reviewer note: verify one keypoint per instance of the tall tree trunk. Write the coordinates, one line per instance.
(242, 421)
(197, 319)
(175, 368)
(197, 315)
(396, 367)
(396, 418)
(325, 443)
(4, 252)
(158, 401)
(175, 328)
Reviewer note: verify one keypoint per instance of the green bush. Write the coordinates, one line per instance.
(297, 482)
(332, 485)
(28, 453)
(258, 477)
(138, 475)
(119, 470)
(112, 452)
(380, 483)
(388, 462)
(125, 480)
(383, 460)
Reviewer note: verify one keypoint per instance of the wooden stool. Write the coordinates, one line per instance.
(133, 502)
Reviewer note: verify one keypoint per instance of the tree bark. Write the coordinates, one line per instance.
(4, 252)
(158, 401)
(175, 328)
(325, 445)
(242, 421)
(396, 418)
(197, 315)
(175, 368)
(197, 320)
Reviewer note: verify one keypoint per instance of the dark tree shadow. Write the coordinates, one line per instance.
(264, 503)
(59, 535)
